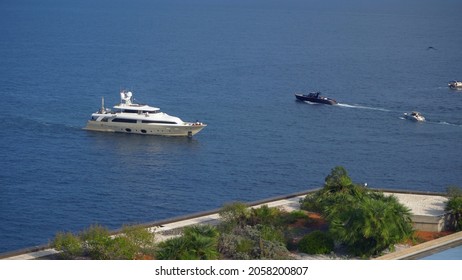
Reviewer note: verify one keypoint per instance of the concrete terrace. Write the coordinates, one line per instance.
(428, 214)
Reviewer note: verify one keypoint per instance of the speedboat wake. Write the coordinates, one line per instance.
(362, 107)
(445, 123)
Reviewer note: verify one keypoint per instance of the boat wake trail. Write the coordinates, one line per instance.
(437, 122)
(362, 107)
(444, 123)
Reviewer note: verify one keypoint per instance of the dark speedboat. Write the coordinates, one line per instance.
(315, 97)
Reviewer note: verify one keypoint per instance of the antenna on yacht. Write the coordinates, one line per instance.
(102, 104)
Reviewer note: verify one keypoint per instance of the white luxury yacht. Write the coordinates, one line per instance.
(130, 117)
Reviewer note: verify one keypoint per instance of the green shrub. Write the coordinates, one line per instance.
(96, 240)
(313, 201)
(141, 238)
(120, 248)
(232, 215)
(244, 243)
(295, 216)
(298, 214)
(266, 215)
(69, 244)
(316, 242)
(271, 233)
(97, 243)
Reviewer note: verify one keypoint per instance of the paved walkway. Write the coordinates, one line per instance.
(422, 204)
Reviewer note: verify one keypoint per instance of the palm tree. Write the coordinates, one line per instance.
(371, 224)
(337, 180)
(202, 242)
(172, 249)
(454, 206)
(197, 243)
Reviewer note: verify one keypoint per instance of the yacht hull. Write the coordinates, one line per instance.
(188, 129)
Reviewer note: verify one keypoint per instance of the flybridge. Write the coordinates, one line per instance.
(126, 101)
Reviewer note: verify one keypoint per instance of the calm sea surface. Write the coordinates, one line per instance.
(236, 66)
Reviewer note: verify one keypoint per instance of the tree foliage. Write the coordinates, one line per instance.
(366, 221)
(198, 242)
(371, 224)
(454, 206)
(338, 180)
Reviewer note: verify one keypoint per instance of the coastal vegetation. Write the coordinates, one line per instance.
(97, 243)
(341, 215)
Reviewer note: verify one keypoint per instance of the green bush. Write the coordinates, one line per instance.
(248, 242)
(290, 218)
(120, 248)
(69, 244)
(298, 214)
(266, 215)
(232, 215)
(97, 243)
(271, 233)
(316, 242)
(141, 238)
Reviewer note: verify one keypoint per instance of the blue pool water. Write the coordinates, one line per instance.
(449, 254)
(234, 65)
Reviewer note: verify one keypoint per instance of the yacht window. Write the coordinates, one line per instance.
(164, 122)
(130, 111)
(123, 120)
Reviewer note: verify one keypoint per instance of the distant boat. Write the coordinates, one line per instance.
(315, 97)
(414, 116)
(455, 85)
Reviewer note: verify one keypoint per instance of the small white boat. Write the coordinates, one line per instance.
(414, 116)
(130, 117)
(455, 85)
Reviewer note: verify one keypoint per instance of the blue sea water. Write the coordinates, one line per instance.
(236, 66)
